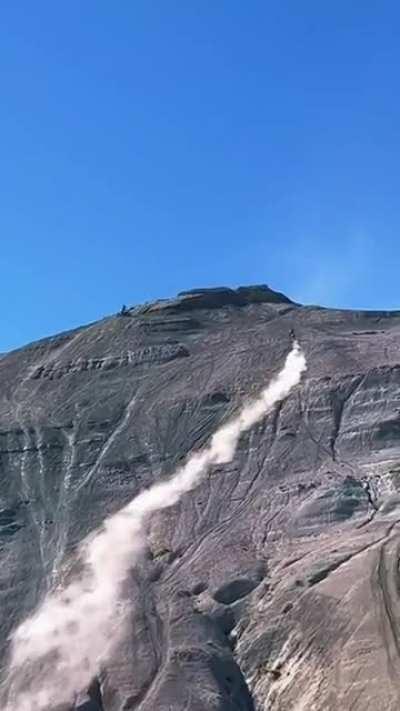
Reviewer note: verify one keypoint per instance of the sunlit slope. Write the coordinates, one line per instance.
(276, 579)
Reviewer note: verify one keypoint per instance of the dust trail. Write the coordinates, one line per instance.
(59, 649)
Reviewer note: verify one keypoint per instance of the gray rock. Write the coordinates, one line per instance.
(274, 584)
(221, 296)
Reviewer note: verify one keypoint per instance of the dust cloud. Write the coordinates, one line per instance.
(57, 651)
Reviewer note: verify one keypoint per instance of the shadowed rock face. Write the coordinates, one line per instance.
(275, 584)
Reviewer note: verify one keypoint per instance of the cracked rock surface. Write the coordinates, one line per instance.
(275, 584)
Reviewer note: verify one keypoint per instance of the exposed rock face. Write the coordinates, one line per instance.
(275, 585)
(221, 296)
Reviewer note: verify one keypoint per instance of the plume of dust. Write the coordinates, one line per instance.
(57, 651)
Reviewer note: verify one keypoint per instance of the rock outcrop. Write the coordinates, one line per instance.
(275, 585)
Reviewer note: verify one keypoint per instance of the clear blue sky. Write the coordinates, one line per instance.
(149, 146)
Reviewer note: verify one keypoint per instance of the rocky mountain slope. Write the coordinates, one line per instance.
(275, 585)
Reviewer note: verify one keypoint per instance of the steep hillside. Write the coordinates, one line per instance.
(275, 584)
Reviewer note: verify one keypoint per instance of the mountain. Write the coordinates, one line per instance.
(275, 583)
